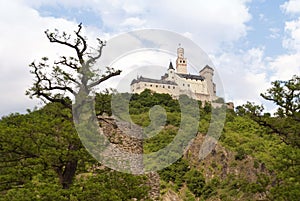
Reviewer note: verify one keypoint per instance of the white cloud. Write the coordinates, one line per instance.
(131, 8)
(146, 63)
(243, 74)
(22, 41)
(291, 6)
(133, 22)
(211, 22)
(246, 74)
(285, 66)
(292, 39)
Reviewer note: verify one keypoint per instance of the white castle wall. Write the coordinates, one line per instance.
(198, 89)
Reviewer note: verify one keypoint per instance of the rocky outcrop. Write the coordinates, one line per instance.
(171, 196)
(154, 183)
(222, 163)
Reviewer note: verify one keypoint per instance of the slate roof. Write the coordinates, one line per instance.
(144, 79)
(164, 76)
(207, 66)
(192, 77)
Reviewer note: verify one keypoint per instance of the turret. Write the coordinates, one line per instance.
(171, 71)
(207, 72)
(181, 62)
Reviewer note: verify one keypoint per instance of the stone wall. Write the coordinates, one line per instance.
(127, 137)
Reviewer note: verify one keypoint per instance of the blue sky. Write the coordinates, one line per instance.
(266, 26)
(250, 42)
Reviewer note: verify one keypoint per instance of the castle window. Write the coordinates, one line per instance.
(169, 87)
(182, 84)
(188, 85)
(156, 86)
(145, 84)
(183, 61)
(163, 86)
(173, 87)
(150, 85)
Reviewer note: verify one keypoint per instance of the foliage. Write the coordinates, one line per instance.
(195, 182)
(103, 103)
(111, 185)
(241, 154)
(286, 95)
(175, 173)
(285, 124)
(102, 185)
(36, 152)
(39, 148)
(39, 141)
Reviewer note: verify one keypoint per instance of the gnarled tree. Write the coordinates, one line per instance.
(69, 76)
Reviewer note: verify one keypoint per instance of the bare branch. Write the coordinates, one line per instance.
(55, 38)
(49, 87)
(81, 38)
(69, 77)
(52, 99)
(53, 86)
(92, 60)
(112, 74)
(66, 63)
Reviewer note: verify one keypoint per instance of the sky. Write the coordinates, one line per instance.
(250, 42)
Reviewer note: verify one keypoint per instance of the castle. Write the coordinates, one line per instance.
(176, 82)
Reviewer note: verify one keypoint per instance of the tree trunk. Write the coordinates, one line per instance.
(68, 174)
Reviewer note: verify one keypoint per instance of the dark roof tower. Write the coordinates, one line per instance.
(171, 66)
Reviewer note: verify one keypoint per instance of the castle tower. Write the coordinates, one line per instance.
(181, 62)
(171, 71)
(207, 72)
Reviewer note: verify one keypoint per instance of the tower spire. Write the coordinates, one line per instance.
(171, 66)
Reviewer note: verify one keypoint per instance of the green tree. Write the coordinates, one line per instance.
(41, 142)
(36, 158)
(286, 95)
(103, 103)
(285, 124)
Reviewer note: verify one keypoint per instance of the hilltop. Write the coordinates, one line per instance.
(256, 156)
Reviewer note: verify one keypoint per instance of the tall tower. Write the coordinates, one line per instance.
(181, 62)
(208, 72)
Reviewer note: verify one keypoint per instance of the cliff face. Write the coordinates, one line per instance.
(228, 166)
(222, 162)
